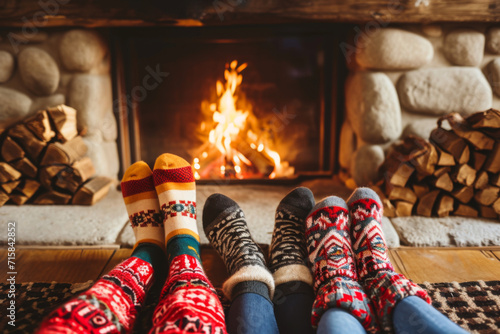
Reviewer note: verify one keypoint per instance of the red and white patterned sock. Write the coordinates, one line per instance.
(188, 302)
(332, 263)
(383, 285)
(109, 306)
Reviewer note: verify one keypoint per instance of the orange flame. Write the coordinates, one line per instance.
(228, 122)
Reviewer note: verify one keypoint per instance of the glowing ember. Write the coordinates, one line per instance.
(232, 147)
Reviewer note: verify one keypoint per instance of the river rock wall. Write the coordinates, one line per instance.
(402, 79)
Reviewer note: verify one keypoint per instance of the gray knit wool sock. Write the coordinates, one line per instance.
(288, 253)
(226, 228)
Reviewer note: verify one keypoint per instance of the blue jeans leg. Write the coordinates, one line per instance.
(250, 313)
(292, 307)
(413, 315)
(339, 321)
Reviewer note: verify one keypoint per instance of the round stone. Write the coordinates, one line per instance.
(81, 50)
(393, 49)
(439, 91)
(6, 65)
(104, 156)
(41, 103)
(372, 107)
(493, 40)
(421, 128)
(464, 47)
(347, 145)
(38, 70)
(91, 95)
(13, 104)
(365, 164)
(108, 127)
(493, 74)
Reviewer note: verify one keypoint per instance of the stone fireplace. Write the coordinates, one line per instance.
(401, 80)
(327, 88)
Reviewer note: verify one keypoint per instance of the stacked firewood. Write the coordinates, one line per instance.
(43, 162)
(457, 172)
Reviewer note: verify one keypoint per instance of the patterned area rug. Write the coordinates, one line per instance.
(473, 305)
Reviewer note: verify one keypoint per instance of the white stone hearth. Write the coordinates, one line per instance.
(106, 223)
(98, 224)
(447, 231)
(259, 204)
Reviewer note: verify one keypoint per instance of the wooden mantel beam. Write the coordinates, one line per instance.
(116, 13)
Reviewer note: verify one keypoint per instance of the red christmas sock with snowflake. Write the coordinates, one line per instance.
(383, 285)
(332, 263)
(109, 306)
(188, 302)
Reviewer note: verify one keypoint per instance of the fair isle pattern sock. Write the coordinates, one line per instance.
(225, 226)
(175, 186)
(332, 264)
(142, 205)
(383, 285)
(109, 306)
(188, 302)
(288, 253)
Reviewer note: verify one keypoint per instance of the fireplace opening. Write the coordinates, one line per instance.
(245, 104)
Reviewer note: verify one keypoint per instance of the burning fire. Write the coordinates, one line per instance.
(232, 146)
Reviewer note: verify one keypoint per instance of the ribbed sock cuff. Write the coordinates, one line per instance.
(291, 273)
(183, 244)
(256, 287)
(248, 273)
(293, 287)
